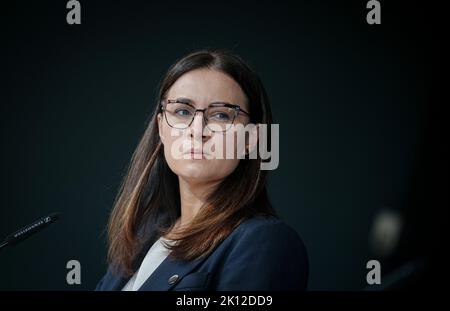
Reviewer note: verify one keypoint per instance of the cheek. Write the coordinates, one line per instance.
(171, 152)
(230, 145)
(171, 139)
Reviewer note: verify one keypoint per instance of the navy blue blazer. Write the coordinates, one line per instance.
(260, 254)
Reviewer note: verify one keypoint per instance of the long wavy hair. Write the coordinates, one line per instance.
(148, 202)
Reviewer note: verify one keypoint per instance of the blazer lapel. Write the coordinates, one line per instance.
(169, 269)
(159, 279)
(116, 282)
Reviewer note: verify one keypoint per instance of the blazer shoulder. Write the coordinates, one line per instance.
(264, 254)
(270, 232)
(267, 226)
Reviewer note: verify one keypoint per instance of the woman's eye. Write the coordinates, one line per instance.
(221, 116)
(183, 112)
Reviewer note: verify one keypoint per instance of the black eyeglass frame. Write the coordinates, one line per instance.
(237, 109)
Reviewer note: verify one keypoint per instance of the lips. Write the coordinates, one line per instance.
(196, 153)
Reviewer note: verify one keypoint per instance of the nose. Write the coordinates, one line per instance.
(198, 130)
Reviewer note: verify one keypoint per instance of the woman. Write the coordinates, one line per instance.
(187, 218)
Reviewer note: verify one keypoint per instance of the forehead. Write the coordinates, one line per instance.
(204, 86)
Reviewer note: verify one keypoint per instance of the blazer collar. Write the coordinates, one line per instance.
(159, 279)
(169, 268)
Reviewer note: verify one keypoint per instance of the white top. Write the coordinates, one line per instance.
(155, 256)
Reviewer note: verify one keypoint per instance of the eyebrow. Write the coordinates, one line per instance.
(185, 100)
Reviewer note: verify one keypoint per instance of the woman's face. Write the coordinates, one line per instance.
(196, 160)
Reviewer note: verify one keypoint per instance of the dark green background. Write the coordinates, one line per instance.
(352, 100)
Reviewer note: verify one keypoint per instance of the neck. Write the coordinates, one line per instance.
(192, 197)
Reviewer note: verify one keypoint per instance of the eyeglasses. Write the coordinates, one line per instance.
(218, 117)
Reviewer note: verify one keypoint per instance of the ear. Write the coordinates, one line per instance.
(160, 120)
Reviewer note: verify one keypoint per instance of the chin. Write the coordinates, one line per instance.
(195, 170)
(202, 170)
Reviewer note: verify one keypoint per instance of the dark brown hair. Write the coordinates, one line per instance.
(148, 201)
